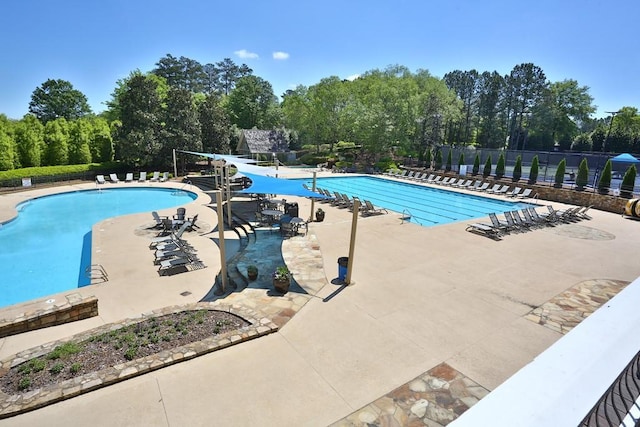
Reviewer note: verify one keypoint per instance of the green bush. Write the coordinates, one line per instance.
(500, 166)
(449, 160)
(438, 160)
(427, 158)
(583, 174)
(312, 159)
(517, 169)
(487, 167)
(460, 160)
(476, 165)
(629, 181)
(533, 173)
(605, 179)
(562, 166)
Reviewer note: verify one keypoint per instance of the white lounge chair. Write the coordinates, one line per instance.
(155, 177)
(114, 178)
(143, 177)
(100, 179)
(129, 177)
(526, 193)
(165, 177)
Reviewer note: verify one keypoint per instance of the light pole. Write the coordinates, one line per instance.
(606, 138)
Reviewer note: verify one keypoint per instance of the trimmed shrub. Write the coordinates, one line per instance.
(517, 169)
(628, 181)
(500, 166)
(438, 160)
(533, 174)
(449, 161)
(605, 178)
(583, 174)
(476, 165)
(487, 167)
(427, 158)
(562, 166)
(460, 160)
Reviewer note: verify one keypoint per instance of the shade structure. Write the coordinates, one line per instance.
(269, 185)
(625, 158)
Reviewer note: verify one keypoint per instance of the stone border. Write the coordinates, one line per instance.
(11, 405)
(74, 308)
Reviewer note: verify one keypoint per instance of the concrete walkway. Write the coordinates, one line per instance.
(422, 297)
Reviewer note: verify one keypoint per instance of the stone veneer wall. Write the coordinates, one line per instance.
(73, 309)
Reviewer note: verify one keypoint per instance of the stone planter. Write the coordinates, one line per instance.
(282, 285)
(319, 216)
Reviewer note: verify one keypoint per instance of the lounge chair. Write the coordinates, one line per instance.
(128, 177)
(409, 175)
(499, 225)
(178, 265)
(100, 179)
(114, 178)
(530, 219)
(485, 230)
(483, 187)
(547, 219)
(369, 209)
(172, 254)
(514, 192)
(436, 180)
(493, 189)
(511, 222)
(192, 223)
(456, 183)
(582, 213)
(465, 184)
(521, 222)
(526, 193)
(429, 178)
(158, 219)
(164, 177)
(173, 236)
(155, 177)
(476, 185)
(180, 214)
(142, 177)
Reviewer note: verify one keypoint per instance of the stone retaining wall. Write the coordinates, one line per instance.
(75, 308)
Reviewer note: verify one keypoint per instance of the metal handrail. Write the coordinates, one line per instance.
(407, 215)
(99, 269)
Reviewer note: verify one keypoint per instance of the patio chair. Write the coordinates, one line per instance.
(430, 178)
(483, 187)
(502, 191)
(100, 179)
(485, 230)
(526, 193)
(158, 219)
(172, 254)
(372, 210)
(530, 219)
(499, 225)
(521, 222)
(465, 184)
(514, 192)
(456, 182)
(409, 175)
(476, 185)
(128, 177)
(492, 189)
(172, 236)
(142, 177)
(164, 177)
(192, 223)
(179, 265)
(114, 178)
(511, 222)
(180, 214)
(582, 213)
(155, 177)
(436, 180)
(546, 219)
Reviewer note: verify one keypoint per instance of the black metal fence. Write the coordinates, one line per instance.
(620, 401)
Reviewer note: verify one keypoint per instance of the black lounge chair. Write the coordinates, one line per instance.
(485, 230)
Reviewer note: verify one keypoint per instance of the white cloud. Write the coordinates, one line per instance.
(280, 55)
(245, 54)
(353, 77)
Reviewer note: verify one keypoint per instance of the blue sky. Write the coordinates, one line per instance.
(93, 44)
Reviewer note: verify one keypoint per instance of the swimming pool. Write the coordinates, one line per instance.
(47, 247)
(427, 206)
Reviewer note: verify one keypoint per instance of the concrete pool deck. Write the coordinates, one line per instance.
(422, 297)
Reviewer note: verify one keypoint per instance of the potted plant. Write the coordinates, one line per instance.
(559, 178)
(533, 173)
(517, 170)
(476, 165)
(605, 179)
(500, 166)
(319, 215)
(628, 182)
(583, 175)
(282, 279)
(252, 272)
(487, 167)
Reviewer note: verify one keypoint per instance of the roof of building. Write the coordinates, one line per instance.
(265, 141)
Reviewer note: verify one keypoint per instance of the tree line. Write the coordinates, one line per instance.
(182, 104)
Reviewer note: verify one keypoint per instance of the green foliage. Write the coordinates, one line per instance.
(629, 179)
(487, 167)
(428, 157)
(385, 164)
(56, 138)
(476, 165)
(75, 368)
(438, 160)
(583, 174)
(25, 383)
(80, 133)
(58, 99)
(605, 178)
(562, 166)
(29, 137)
(500, 166)
(449, 160)
(56, 369)
(460, 160)
(533, 173)
(50, 171)
(252, 104)
(517, 169)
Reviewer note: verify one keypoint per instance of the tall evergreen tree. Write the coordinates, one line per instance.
(58, 98)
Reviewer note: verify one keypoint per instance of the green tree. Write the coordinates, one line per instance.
(449, 160)
(101, 141)
(487, 167)
(583, 174)
(465, 85)
(517, 169)
(476, 165)
(500, 166)
(215, 128)
(58, 98)
(605, 178)
(8, 150)
(491, 133)
(438, 160)
(582, 142)
(628, 181)
(56, 138)
(252, 104)
(562, 166)
(526, 88)
(224, 76)
(181, 130)
(79, 140)
(427, 158)
(460, 160)
(29, 137)
(533, 173)
(182, 73)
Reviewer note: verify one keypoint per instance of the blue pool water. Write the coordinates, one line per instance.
(47, 247)
(427, 206)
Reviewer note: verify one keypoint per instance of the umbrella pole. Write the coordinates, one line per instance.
(223, 257)
(313, 187)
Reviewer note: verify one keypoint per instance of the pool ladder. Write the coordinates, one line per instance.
(97, 272)
(181, 190)
(407, 215)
